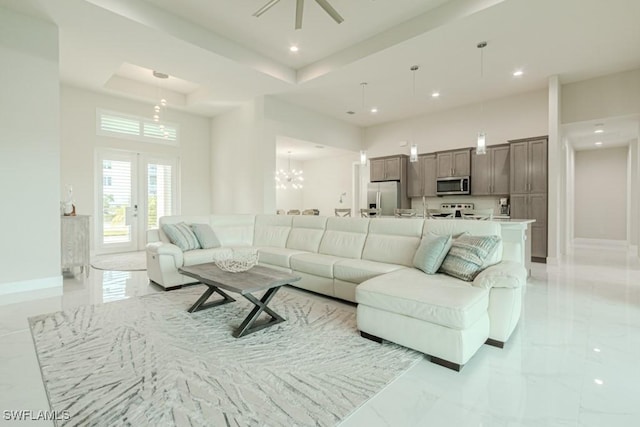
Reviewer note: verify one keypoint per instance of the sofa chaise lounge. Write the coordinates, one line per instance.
(370, 262)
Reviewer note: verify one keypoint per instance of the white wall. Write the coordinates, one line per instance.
(515, 117)
(613, 95)
(634, 191)
(601, 194)
(239, 160)
(29, 154)
(79, 143)
(298, 122)
(243, 150)
(325, 180)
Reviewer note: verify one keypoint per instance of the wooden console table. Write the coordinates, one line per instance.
(75, 243)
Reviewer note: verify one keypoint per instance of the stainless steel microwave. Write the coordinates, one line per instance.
(453, 185)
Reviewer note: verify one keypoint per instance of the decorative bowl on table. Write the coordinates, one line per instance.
(236, 261)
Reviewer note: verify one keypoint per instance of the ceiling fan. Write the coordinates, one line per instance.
(299, 7)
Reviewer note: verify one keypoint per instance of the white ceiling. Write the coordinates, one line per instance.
(224, 56)
(616, 132)
(301, 150)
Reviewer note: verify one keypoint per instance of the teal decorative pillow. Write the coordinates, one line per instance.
(206, 236)
(468, 255)
(181, 235)
(432, 251)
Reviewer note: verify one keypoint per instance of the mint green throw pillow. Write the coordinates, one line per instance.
(468, 256)
(432, 251)
(206, 236)
(180, 234)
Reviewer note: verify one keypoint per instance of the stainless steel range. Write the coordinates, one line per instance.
(457, 207)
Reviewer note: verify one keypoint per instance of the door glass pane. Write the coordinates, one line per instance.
(116, 201)
(159, 193)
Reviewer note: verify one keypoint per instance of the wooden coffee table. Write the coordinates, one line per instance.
(258, 278)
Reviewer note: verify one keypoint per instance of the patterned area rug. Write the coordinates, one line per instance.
(129, 261)
(146, 361)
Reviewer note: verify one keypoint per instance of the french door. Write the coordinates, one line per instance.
(133, 191)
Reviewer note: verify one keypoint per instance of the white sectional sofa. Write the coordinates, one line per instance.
(370, 262)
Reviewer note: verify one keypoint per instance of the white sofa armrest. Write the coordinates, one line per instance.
(161, 248)
(505, 274)
(153, 235)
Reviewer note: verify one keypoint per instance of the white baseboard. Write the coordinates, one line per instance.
(583, 241)
(46, 283)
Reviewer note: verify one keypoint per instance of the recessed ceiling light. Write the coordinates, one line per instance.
(599, 143)
(319, 146)
(598, 131)
(597, 350)
(598, 381)
(294, 48)
(351, 112)
(518, 73)
(435, 94)
(374, 110)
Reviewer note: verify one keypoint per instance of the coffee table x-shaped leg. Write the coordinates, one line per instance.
(247, 326)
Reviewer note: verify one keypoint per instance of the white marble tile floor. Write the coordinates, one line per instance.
(570, 362)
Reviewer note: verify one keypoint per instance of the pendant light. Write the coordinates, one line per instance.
(481, 146)
(363, 153)
(413, 151)
(160, 107)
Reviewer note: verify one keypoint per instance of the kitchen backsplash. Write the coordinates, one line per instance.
(479, 202)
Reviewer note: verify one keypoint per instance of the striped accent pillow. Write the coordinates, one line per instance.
(181, 235)
(468, 256)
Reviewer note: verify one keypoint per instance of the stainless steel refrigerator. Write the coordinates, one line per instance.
(384, 195)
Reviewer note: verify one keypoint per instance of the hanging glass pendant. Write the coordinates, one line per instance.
(481, 147)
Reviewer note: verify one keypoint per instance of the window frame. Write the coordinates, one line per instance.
(141, 135)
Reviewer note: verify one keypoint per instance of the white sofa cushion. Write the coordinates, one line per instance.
(272, 230)
(233, 230)
(200, 256)
(344, 237)
(438, 299)
(280, 257)
(316, 264)
(393, 240)
(306, 232)
(454, 227)
(359, 270)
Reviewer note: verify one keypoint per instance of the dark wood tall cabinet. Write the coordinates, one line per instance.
(490, 171)
(528, 189)
(421, 176)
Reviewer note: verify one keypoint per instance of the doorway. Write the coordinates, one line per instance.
(133, 191)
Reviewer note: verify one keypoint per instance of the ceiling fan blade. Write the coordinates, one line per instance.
(266, 7)
(330, 10)
(299, 8)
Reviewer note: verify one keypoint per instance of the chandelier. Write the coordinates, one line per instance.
(290, 178)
